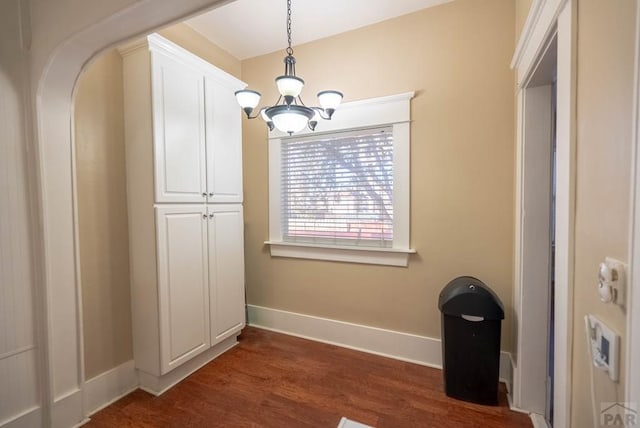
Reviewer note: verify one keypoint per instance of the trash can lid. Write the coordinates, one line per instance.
(467, 295)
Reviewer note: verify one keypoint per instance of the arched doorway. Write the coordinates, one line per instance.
(60, 51)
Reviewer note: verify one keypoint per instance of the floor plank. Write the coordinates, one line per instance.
(275, 380)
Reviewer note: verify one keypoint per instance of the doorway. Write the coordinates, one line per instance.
(543, 302)
(71, 41)
(535, 246)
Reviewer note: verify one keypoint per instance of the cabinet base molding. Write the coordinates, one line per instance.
(158, 385)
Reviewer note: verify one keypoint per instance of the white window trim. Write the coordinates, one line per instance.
(394, 111)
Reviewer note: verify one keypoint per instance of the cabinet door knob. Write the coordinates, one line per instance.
(211, 194)
(211, 215)
(204, 216)
(204, 194)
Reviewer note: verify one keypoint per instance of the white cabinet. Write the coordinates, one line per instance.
(197, 129)
(226, 267)
(179, 131)
(184, 193)
(183, 283)
(224, 144)
(200, 278)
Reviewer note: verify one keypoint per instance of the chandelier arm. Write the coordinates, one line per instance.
(258, 114)
(322, 113)
(255, 115)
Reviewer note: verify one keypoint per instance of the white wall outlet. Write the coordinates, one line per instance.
(605, 346)
(612, 281)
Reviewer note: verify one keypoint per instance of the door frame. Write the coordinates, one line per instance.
(547, 18)
(632, 381)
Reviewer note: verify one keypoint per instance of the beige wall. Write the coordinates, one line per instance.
(102, 206)
(606, 33)
(102, 215)
(456, 57)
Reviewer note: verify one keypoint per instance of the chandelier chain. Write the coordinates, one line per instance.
(289, 49)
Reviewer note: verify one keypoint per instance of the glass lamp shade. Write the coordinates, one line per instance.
(291, 118)
(330, 99)
(289, 85)
(248, 98)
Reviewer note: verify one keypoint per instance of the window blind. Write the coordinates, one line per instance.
(338, 188)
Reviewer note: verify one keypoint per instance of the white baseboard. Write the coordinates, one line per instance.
(110, 386)
(426, 351)
(507, 367)
(538, 421)
(27, 419)
(67, 411)
(512, 407)
(158, 385)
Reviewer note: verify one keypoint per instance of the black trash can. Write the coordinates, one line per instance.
(471, 322)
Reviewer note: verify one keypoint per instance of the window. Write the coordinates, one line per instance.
(342, 193)
(338, 188)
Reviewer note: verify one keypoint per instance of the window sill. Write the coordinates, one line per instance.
(373, 255)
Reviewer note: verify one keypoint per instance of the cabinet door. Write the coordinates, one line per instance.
(224, 144)
(183, 283)
(226, 271)
(179, 131)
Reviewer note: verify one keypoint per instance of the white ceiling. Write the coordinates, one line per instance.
(248, 28)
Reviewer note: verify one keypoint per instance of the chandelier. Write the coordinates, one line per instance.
(289, 114)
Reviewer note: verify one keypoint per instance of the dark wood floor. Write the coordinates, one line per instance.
(274, 380)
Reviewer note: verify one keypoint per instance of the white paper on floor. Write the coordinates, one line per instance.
(348, 423)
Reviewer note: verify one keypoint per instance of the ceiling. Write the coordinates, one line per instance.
(248, 28)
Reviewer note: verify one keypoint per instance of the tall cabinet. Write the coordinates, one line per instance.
(184, 192)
